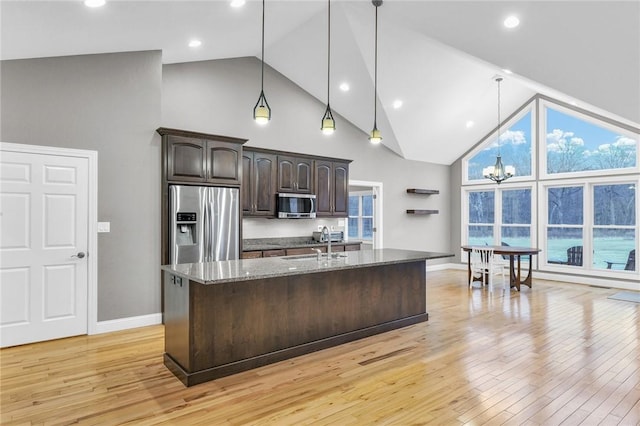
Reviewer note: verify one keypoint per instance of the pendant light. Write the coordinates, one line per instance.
(328, 123)
(498, 172)
(375, 137)
(262, 112)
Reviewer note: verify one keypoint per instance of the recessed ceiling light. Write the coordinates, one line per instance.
(94, 3)
(574, 103)
(397, 103)
(237, 3)
(511, 22)
(507, 71)
(344, 87)
(469, 124)
(195, 43)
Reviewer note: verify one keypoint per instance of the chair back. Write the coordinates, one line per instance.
(574, 256)
(631, 261)
(481, 257)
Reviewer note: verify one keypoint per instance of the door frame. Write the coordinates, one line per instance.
(377, 209)
(92, 223)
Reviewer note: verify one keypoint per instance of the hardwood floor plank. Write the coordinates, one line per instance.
(555, 354)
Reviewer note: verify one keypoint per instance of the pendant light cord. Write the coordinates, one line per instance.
(328, 52)
(375, 77)
(499, 79)
(262, 76)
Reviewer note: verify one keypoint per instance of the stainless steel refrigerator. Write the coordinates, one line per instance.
(204, 224)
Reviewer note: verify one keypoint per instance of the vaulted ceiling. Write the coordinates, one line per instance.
(438, 57)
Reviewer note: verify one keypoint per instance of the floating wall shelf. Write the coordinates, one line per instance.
(422, 191)
(422, 212)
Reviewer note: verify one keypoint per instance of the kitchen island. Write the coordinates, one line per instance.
(229, 316)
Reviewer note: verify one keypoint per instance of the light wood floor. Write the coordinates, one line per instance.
(556, 354)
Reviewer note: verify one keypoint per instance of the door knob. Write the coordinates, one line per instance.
(80, 255)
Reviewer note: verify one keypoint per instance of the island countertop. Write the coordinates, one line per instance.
(253, 269)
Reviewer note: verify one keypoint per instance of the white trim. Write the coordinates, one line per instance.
(127, 323)
(444, 266)
(92, 231)
(377, 203)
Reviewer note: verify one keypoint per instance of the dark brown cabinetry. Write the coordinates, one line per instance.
(332, 188)
(200, 157)
(295, 174)
(259, 171)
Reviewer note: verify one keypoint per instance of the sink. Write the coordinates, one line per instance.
(313, 257)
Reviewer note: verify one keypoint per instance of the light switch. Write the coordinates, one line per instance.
(340, 222)
(104, 227)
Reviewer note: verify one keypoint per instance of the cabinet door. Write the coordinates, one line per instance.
(223, 162)
(247, 183)
(186, 159)
(264, 181)
(286, 174)
(340, 189)
(304, 175)
(324, 188)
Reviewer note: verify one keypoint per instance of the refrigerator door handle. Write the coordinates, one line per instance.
(206, 255)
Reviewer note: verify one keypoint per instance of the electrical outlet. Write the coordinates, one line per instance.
(341, 222)
(104, 227)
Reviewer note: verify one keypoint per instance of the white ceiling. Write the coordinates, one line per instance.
(438, 57)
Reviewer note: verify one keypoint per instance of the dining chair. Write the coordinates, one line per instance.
(483, 263)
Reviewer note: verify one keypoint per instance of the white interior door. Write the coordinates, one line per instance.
(44, 204)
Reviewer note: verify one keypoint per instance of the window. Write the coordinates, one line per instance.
(565, 225)
(515, 148)
(511, 227)
(360, 223)
(614, 212)
(574, 144)
(587, 172)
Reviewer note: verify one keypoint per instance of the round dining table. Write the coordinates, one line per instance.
(515, 254)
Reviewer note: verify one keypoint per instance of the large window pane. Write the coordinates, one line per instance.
(519, 236)
(515, 148)
(353, 227)
(367, 228)
(612, 245)
(575, 145)
(354, 207)
(481, 207)
(614, 204)
(516, 206)
(480, 235)
(559, 241)
(565, 205)
(367, 205)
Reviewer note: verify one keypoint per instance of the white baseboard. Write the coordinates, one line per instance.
(127, 323)
(554, 276)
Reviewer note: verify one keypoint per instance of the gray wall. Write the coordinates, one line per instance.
(111, 104)
(218, 97)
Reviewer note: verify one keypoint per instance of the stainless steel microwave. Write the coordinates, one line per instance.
(296, 206)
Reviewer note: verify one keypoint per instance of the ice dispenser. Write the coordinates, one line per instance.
(186, 229)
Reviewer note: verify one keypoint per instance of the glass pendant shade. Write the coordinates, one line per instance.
(262, 112)
(328, 123)
(375, 137)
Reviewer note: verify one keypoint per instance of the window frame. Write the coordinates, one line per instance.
(497, 223)
(505, 125)
(600, 122)
(588, 225)
(360, 216)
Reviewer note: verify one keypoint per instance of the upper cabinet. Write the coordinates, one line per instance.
(200, 157)
(332, 188)
(295, 174)
(259, 170)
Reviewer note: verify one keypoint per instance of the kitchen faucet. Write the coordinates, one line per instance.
(328, 234)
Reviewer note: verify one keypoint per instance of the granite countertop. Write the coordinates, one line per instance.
(269, 267)
(259, 244)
